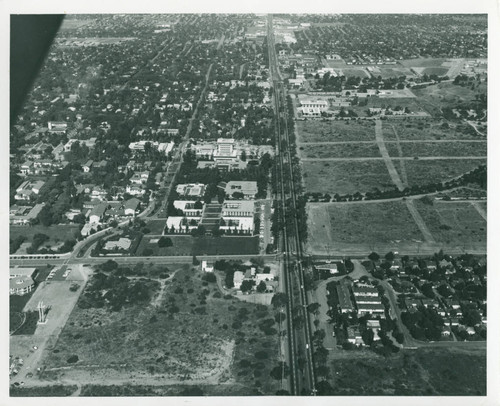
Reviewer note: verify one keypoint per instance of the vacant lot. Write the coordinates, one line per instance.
(320, 131)
(432, 171)
(361, 227)
(424, 130)
(454, 224)
(339, 150)
(422, 149)
(56, 233)
(188, 245)
(345, 177)
(191, 336)
(156, 226)
(447, 94)
(427, 372)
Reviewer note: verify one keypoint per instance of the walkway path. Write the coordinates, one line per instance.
(401, 161)
(480, 210)
(385, 155)
(410, 203)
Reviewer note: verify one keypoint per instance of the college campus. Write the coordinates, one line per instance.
(252, 205)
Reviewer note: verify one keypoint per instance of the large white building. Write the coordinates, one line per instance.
(238, 215)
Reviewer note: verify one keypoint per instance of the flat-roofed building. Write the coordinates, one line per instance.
(247, 188)
(21, 280)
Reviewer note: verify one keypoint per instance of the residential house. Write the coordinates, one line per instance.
(96, 215)
(131, 206)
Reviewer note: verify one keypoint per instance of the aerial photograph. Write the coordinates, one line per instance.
(248, 205)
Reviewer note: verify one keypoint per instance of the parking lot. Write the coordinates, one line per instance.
(264, 212)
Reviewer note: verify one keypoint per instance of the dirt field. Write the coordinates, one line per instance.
(320, 131)
(454, 224)
(345, 177)
(362, 227)
(188, 338)
(412, 373)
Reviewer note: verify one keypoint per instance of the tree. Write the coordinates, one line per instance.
(261, 287)
(390, 256)
(164, 242)
(279, 300)
(247, 285)
(313, 308)
(374, 257)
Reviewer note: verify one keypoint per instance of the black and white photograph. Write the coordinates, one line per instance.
(269, 203)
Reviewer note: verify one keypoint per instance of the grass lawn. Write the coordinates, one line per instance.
(155, 226)
(182, 245)
(394, 72)
(320, 131)
(438, 372)
(432, 171)
(435, 70)
(421, 149)
(454, 224)
(190, 335)
(423, 62)
(345, 177)
(339, 151)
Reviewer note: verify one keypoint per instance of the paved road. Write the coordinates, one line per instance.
(131, 260)
(407, 158)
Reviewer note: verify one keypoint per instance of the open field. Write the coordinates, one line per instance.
(319, 131)
(448, 372)
(334, 228)
(432, 171)
(424, 130)
(345, 177)
(188, 245)
(339, 151)
(447, 94)
(191, 336)
(454, 224)
(451, 148)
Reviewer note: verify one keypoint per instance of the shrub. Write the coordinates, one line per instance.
(72, 360)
